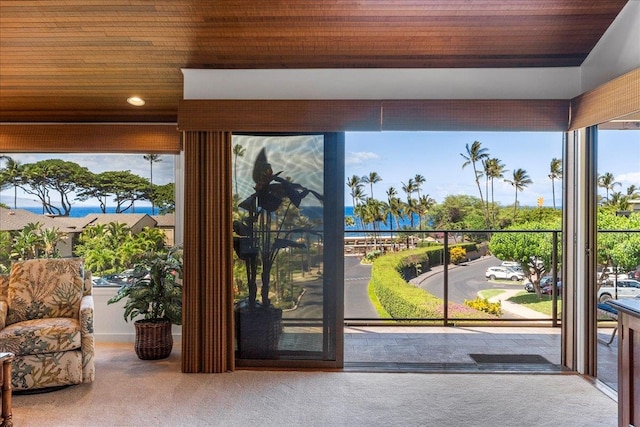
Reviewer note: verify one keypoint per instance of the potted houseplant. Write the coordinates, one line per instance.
(155, 294)
(260, 235)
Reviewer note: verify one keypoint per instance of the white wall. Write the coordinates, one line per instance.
(388, 83)
(617, 52)
(108, 320)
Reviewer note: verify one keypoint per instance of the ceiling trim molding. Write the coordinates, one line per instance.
(88, 138)
(612, 100)
(369, 115)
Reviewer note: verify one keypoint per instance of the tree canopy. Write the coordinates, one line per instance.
(56, 184)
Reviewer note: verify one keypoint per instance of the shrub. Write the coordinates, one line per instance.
(483, 304)
(370, 256)
(404, 301)
(457, 254)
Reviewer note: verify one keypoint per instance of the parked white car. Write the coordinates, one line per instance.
(511, 264)
(610, 274)
(627, 288)
(494, 273)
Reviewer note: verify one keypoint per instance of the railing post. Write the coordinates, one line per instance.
(445, 257)
(554, 279)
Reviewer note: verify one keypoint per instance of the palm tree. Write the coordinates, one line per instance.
(371, 179)
(608, 182)
(409, 188)
(494, 169)
(621, 201)
(519, 181)
(238, 151)
(391, 195)
(354, 182)
(418, 180)
(152, 158)
(424, 204)
(11, 174)
(476, 154)
(373, 212)
(355, 185)
(394, 208)
(632, 192)
(555, 172)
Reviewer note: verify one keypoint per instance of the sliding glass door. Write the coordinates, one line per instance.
(288, 215)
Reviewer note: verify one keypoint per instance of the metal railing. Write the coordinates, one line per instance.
(368, 240)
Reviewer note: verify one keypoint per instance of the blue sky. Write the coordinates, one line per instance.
(398, 156)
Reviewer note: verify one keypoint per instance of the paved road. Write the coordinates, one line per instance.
(310, 304)
(357, 303)
(465, 280)
(356, 298)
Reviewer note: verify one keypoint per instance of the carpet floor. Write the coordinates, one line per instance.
(131, 392)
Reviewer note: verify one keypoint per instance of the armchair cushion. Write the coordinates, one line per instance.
(41, 336)
(44, 288)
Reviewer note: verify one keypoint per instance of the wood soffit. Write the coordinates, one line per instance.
(78, 61)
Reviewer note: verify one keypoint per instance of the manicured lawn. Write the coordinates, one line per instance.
(530, 300)
(489, 293)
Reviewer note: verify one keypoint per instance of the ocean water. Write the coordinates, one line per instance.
(82, 211)
(312, 212)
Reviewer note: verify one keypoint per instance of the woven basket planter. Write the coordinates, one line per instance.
(153, 339)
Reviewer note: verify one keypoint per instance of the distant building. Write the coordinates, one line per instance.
(18, 219)
(167, 223)
(135, 222)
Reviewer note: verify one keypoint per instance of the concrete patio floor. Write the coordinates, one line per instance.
(449, 349)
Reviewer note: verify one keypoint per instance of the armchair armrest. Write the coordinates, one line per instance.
(86, 315)
(3, 314)
(87, 338)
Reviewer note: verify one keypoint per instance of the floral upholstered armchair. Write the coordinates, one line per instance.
(46, 321)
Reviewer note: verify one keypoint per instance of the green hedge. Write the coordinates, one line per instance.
(402, 300)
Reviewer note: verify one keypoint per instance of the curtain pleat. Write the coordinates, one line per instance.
(207, 331)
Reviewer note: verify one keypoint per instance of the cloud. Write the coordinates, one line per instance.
(629, 178)
(359, 157)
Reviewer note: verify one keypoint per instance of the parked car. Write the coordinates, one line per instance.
(627, 288)
(100, 281)
(611, 274)
(511, 264)
(114, 279)
(546, 285)
(131, 274)
(634, 274)
(515, 266)
(494, 273)
(528, 286)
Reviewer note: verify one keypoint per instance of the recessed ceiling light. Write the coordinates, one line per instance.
(134, 100)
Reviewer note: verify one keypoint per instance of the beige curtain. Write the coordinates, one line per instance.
(207, 331)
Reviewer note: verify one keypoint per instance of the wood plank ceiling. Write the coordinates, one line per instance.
(79, 60)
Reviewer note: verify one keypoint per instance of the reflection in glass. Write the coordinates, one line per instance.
(278, 242)
(618, 252)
